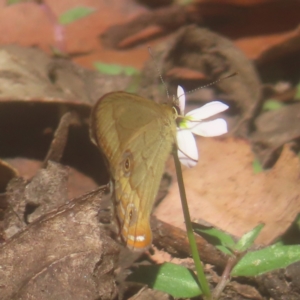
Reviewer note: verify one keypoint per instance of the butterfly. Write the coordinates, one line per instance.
(136, 136)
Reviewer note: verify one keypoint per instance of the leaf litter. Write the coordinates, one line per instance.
(223, 190)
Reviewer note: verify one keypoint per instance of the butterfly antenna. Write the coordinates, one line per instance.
(158, 71)
(212, 83)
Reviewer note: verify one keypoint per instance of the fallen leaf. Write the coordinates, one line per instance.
(64, 254)
(224, 191)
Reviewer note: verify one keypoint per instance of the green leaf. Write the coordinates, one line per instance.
(112, 69)
(184, 2)
(216, 237)
(11, 2)
(247, 239)
(266, 260)
(175, 280)
(297, 95)
(280, 242)
(257, 167)
(224, 249)
(74, 14)
(297, 221)
(272, 104)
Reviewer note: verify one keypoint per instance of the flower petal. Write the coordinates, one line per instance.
(181, 99)
(210, 128)
(207, 110)
(187, 148)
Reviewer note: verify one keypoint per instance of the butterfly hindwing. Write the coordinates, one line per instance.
(136, 136)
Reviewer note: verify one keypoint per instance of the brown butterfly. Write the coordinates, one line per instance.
(136, 136)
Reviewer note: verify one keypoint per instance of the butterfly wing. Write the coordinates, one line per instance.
(136, 136)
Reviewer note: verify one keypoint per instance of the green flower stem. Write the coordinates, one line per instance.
(198, 265)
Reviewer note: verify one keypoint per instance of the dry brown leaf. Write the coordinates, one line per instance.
(64, 254)
(224, 191)
(26, 24)
(148, 294)
(266, 48)
(274, 129)
(78, 183)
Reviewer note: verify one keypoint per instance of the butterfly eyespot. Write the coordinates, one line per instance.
(127, 163)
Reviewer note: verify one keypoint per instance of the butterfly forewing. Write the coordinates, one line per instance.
(136, 136)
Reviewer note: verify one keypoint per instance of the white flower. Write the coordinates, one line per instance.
(192, 123)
